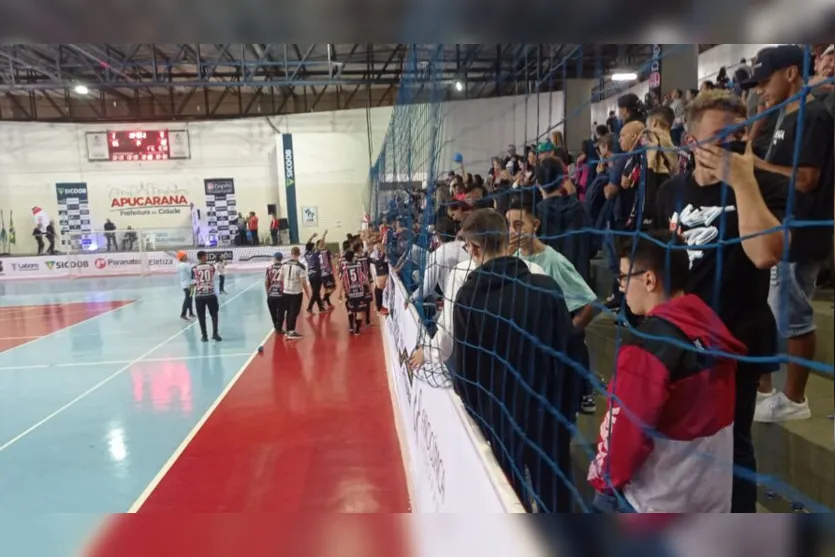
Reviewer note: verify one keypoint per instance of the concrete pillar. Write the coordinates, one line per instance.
(577, 98)
(678, 66)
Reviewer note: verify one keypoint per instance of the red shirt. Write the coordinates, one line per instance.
(253, 223)
(274, 224)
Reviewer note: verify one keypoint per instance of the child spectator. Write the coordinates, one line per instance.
(667, 438)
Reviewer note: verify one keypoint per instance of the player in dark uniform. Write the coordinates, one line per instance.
(205, 296)
(381, 271)
(314, 275)
(355, 285)
(326, 266)
(275, 289)
(362, 258)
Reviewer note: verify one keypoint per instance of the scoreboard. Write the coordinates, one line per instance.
(137, 145)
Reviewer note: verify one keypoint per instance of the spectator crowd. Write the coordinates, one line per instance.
(685, 199)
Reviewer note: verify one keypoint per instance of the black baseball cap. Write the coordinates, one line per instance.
(772, 59)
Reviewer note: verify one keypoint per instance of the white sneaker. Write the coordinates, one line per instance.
(762, 397)
(779, 408)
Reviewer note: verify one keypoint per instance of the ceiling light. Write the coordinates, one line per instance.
(624, 77)
(459, 86)
(81, 89)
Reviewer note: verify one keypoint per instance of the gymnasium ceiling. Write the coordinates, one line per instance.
(144, 82)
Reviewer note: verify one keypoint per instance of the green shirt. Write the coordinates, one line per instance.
(577, 293)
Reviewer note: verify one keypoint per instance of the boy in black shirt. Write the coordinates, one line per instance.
(722, 200)
(204, 295)
(779, 77)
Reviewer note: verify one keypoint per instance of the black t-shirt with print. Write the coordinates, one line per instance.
(736, 289)
(813, 243)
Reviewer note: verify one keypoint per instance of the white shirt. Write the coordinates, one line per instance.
(439, 267)
(439, 349)
(293, 276)
(221, 268)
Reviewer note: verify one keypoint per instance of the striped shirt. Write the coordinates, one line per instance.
(204, 279)
(274, 288)
(293, 277)
(354, 279)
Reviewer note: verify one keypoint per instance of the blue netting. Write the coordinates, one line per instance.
(501, 348)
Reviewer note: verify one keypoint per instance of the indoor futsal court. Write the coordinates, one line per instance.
(109, 404)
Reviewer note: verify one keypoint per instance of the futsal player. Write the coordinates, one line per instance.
(274, 293)
(361, 257)
(314, 275)
(381, 272)
(326, 266)
(186, 283)
(293, 284)
(221, 272)
(355, 284)
(205, 297)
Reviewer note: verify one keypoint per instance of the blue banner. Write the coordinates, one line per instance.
(290, 185)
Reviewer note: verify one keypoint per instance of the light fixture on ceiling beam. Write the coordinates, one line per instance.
(627, 76)
(81, 89)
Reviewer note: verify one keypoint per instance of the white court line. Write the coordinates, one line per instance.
(191, 434)
(59, 331)
(112, 376)
(112, 362)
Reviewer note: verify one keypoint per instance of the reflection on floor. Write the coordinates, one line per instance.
(94, 407)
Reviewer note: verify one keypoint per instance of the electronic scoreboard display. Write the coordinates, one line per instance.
(137, 145)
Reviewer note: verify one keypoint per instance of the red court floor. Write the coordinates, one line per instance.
(306, 431)
(22, 324)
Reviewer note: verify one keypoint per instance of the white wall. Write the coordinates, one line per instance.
(710, 61)
(482, 128)
(34, 157)
(600, 110)
(727, 55)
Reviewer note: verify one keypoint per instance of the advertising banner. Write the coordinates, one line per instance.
(23, 267)
(221, 210)
(108, 264)
(452, 467)
(290, 185)
(75, 227)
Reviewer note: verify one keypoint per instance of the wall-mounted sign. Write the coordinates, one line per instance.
(310, 216)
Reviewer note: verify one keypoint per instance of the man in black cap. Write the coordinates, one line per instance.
(779, 77)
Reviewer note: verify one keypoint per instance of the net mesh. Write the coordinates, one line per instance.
(518, 348)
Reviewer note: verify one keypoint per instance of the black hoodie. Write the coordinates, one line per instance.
(561, 218)
(509, 327)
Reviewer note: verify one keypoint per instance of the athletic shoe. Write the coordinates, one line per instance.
(186, 319)
(779, 408)
(292, 335)
(217, 338)
(588, 405)
(279, 331)
(204, 339)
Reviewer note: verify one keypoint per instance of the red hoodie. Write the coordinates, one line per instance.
(686, 399)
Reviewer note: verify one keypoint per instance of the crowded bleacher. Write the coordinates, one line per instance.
(710, 211)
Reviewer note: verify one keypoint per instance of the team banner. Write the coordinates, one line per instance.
(290, 186)
(75, 226)
(221, 209)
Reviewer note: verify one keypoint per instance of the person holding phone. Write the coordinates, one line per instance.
(723, 200)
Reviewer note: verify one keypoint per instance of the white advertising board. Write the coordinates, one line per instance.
(130, 263)
(33, 267)
(452, 467)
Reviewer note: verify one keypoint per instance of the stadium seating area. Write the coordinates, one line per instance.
(611, 317)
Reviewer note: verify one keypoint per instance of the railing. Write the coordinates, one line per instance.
(130, 240)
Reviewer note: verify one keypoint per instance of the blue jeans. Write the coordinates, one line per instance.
(798, 318)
